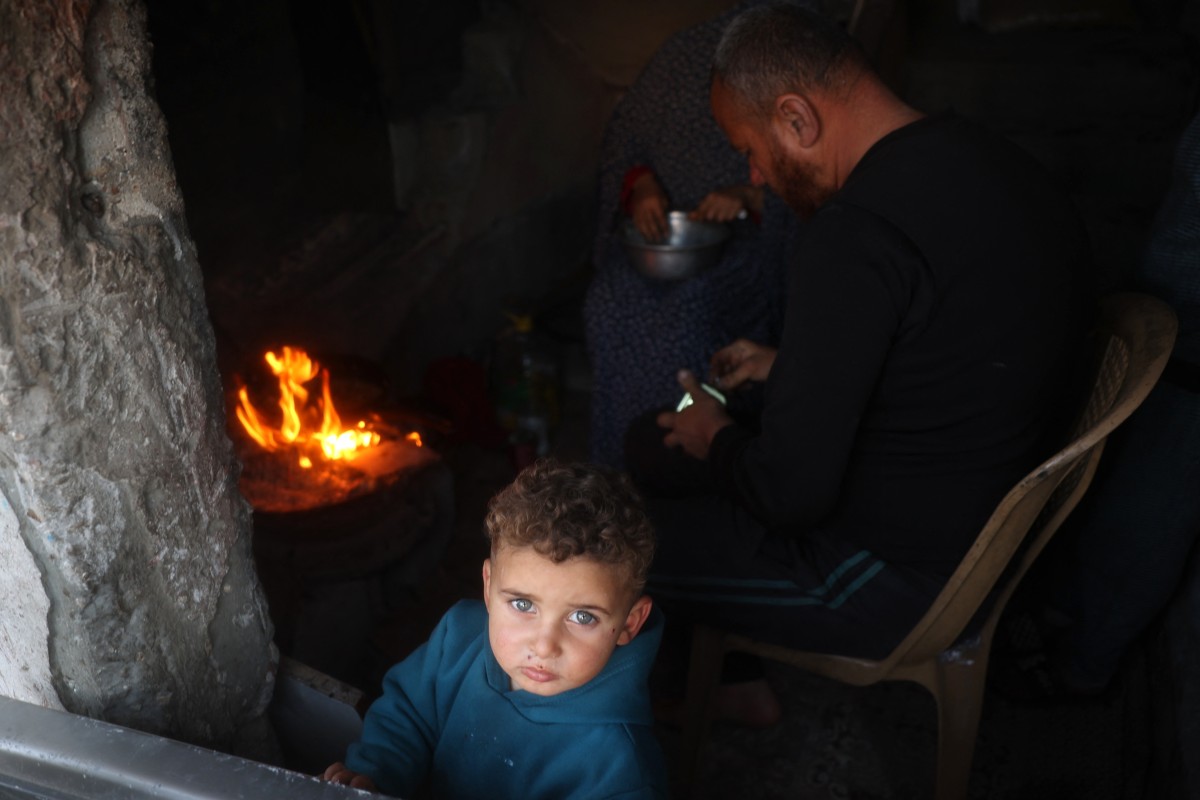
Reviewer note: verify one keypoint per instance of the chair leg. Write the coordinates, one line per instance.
(959, 697)
(704, 674)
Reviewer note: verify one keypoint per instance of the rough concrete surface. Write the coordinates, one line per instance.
(116, 476)
(24, 662)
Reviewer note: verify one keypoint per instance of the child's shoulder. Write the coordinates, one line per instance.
(465, 619)
(466, 612)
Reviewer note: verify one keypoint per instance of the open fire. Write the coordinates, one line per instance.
(351, 508)
(300, 455)
(297, 430)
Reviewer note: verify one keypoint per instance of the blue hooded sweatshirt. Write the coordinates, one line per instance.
(447, 717)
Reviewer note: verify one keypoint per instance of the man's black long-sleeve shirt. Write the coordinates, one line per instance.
(934, 330)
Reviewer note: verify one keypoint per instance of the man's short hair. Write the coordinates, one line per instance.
(574, 510)
(778, 48)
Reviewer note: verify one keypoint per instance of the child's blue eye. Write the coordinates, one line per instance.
(522, 604)
(583, 617)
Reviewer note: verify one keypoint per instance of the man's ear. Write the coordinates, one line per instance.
(487, 582)
(636, 619)
(797, 113)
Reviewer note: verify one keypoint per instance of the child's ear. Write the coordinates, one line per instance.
(636, 619)
(487, 582)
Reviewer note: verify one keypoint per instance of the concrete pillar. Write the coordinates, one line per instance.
(129, 590)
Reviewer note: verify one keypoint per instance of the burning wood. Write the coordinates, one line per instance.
(306, 457)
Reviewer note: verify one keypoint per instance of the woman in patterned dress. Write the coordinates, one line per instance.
(640, 331)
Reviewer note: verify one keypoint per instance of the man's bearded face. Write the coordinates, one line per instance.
(794, 173)
(797, 183)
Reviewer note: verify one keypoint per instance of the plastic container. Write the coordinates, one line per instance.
(525, 388)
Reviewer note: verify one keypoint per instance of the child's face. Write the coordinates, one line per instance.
(553, 626)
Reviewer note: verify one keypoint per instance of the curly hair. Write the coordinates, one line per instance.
(574, 510)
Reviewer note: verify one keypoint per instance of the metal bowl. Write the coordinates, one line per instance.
(689, 248)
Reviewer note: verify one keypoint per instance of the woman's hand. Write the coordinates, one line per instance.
(648, 207)
(742, 361)
(724, 205)
(337, 773)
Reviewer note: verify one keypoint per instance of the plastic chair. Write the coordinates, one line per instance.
(1135, 336)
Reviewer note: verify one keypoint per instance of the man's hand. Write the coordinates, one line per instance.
(337, 773)
(741, 361)
(693, 428)
(724, 205)
(648, 207)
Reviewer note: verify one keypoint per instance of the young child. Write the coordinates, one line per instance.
(539, 692)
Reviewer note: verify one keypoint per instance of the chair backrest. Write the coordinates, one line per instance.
(1134, 338)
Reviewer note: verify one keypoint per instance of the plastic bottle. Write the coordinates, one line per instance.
(525, 389)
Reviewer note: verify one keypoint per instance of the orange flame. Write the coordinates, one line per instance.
(294, 369)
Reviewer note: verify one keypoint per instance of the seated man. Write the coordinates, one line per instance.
(935, 314)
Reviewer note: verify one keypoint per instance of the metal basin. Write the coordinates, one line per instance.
(689, 248)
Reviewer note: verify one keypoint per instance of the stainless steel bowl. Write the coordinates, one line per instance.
(689, 248)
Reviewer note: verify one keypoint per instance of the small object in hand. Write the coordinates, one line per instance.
(687, 397)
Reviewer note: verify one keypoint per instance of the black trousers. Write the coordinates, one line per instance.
(718, 565)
